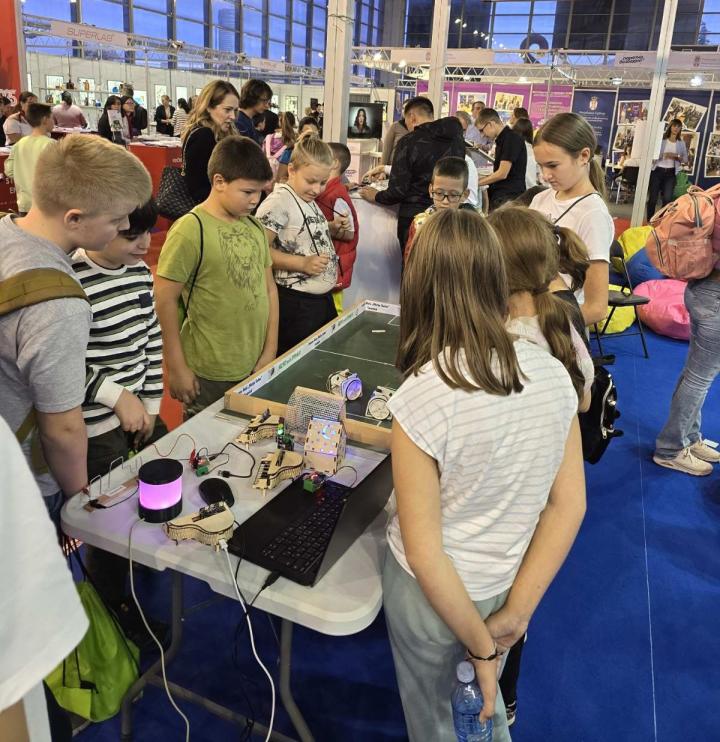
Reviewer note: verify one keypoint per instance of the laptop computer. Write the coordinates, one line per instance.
(301, 534)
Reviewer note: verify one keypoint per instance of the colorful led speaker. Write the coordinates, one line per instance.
(160, 485)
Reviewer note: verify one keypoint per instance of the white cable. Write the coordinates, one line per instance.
(223, 546)
(155, 639)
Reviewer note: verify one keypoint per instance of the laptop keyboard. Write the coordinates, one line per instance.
(302, 544)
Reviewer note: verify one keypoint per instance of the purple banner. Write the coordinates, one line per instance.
(597, 106)
(542, 107)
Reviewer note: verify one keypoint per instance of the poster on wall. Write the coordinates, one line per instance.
(141, 97)
(114, 86)
(465, 100)
(717, 118)
(180, 92)
(624, 137)
(691, 114)
(543, 107)
(160, 90)
(291, 104)
(445, 107)
(692, 141)
(596, 106)
(508, 101)
(712, 156)
(632, 111)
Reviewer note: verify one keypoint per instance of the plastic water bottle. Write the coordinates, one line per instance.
(467, 703)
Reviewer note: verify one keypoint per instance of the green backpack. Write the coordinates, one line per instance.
(93, 680)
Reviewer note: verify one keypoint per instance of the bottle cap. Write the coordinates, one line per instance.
(465, 672)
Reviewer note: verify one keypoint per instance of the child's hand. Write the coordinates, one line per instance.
(131, 411)
(183, 384)
(146, 433)
(340, 223)
(314, 265)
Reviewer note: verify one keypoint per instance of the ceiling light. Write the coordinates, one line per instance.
(696, 81)
(402, 64)
(464, 25)
(321, 55)
(616, 80)
(377, 56)
(522, 79)
(457, 20)
(475, 32)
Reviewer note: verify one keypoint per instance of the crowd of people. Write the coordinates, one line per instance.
(493, 341)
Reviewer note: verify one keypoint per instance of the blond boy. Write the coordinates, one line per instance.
(85, 189)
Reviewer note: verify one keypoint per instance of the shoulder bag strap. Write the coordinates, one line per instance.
(197, 268)
(35, 286)
(184, 147)
(305, 221)
(572, 206)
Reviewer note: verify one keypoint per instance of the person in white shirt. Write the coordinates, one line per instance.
(41, 617)
(487, 469)
(564, 148)
(673, 155)
(524, 128)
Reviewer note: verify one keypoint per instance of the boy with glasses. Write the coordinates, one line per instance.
(448, 190)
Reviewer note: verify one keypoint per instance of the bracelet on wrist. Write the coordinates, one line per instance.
(495, 654)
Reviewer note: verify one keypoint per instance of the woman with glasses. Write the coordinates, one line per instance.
(255, 97)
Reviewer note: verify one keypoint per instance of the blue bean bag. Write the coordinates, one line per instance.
(640, 269)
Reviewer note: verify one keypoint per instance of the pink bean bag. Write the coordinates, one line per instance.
(666, 313)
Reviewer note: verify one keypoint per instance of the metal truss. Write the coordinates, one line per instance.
(158, 52)
(581, 68)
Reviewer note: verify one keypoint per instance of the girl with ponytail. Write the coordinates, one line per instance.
(532, 260)
(543, 310)
(564, 149)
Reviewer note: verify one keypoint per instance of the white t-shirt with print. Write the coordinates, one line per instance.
(497, 457)
(301, 229)
(589, 219)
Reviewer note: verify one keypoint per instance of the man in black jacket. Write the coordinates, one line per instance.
(415, 156)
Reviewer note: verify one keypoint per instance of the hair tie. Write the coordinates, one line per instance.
(541, 289)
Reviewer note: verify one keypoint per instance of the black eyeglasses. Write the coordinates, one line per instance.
(452, 197)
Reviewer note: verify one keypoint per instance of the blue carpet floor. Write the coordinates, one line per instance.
(621, 649)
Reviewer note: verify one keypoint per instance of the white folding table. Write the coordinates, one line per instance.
(345, 601)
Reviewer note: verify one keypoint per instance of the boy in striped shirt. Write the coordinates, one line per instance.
(124, 377)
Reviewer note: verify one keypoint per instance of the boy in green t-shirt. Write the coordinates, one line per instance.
(231, 320)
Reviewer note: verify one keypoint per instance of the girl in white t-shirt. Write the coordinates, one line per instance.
(301, 247)
(487, 470)
(564, 148)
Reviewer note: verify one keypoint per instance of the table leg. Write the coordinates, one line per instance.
(286, 696)
(173, 649)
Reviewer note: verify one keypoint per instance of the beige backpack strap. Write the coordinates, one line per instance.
(35, 286)
(28, 429)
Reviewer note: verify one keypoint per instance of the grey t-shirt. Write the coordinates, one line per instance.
(42, 347)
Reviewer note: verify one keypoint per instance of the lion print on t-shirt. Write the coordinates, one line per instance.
(243, 260)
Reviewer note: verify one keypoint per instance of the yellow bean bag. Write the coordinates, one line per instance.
(632, 240)
(622, 318)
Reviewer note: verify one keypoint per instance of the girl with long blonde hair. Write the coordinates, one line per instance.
(487, 469)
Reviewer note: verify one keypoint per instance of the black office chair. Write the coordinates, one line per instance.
(629, 179)
(623, 298)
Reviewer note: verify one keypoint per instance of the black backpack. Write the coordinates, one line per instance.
(597, 425)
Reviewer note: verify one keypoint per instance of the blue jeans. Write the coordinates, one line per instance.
(54, 504)
(682, 429)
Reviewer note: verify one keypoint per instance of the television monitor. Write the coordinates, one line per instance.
(365, 121)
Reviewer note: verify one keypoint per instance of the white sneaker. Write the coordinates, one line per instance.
(701, 450)
(687, 463)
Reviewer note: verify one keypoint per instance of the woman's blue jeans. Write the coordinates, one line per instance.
(682, 429)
